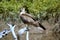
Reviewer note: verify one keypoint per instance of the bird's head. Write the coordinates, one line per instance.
(24, 10)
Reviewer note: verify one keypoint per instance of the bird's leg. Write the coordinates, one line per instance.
(27, 26)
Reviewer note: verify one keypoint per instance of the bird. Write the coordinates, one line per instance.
(23, 30)
(12, 27)
(4, 33)
(29, 19)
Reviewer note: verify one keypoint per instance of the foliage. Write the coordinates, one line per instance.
(40, 8)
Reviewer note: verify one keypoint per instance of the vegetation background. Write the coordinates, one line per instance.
(43, 10)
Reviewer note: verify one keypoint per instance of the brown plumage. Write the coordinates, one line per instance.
(29, 19)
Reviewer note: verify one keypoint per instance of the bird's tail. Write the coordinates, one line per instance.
(42, 26)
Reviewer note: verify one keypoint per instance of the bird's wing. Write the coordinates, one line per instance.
(26, 19)
(29, 15)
